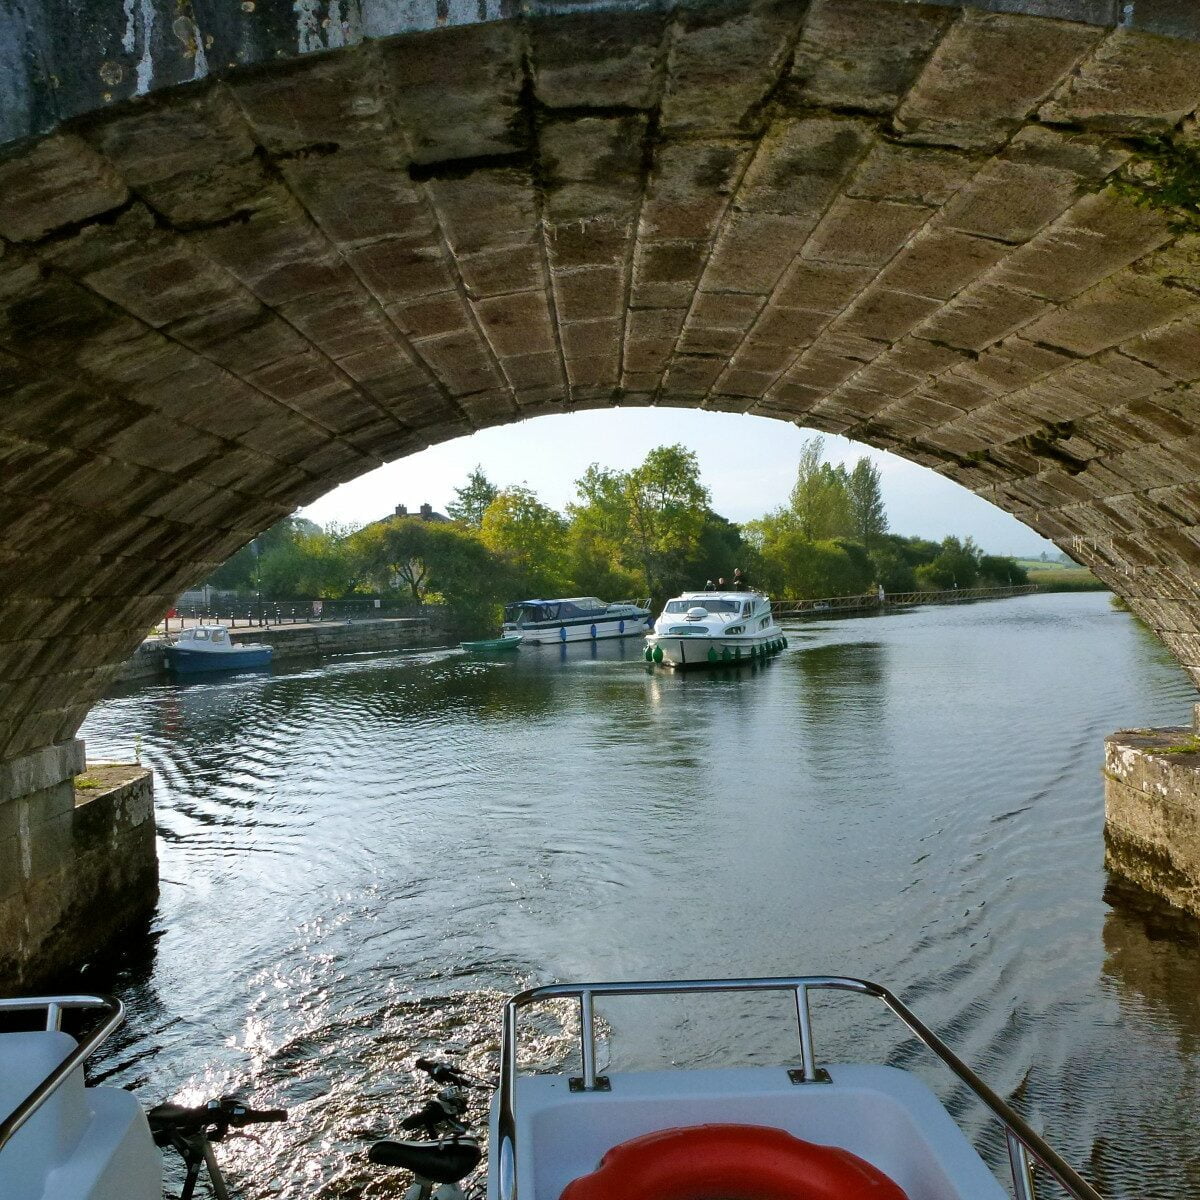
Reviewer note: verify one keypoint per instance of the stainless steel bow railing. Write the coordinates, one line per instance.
(112, 1013)
(1023, 1142)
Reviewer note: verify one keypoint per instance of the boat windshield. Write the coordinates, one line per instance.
(715, 605)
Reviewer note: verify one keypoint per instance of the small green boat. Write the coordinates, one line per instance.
(493, 644)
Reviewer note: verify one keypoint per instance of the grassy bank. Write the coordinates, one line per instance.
(1058, 577)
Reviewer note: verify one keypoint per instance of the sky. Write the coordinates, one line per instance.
(747, 463)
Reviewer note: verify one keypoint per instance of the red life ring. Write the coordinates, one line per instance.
(731, 1162)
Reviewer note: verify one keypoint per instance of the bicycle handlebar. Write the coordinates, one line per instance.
(223, 1114)
(443, 1072)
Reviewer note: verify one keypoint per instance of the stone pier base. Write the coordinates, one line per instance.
(78, 862)
(1152, 812)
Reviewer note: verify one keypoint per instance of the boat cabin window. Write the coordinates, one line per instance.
(714, 605)
(200, 635)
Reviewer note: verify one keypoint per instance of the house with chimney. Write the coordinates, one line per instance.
(425, 513)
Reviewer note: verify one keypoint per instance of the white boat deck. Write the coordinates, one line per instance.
(83, 1143)
(886, 1116)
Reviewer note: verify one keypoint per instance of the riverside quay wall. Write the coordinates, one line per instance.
(78, 863)
(1152, 811)
(313, 640)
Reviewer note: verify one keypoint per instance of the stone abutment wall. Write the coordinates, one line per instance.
(78, 865)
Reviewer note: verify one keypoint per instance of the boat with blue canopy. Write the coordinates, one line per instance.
(575, 619)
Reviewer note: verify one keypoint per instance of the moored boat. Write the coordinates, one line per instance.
(210, 648)
(491, 645)
(574, 619)
(702, 629)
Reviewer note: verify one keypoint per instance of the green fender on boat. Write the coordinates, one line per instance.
(785, 641)
(658, 655)
(725, 655)
(712, 654)
(648, 655)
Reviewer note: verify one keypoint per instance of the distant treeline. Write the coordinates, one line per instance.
(648, 531)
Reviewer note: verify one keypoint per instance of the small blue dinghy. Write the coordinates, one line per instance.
(209, 648)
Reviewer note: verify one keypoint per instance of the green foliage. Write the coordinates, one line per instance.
(316, 564)
(433, 563)
(820, 499)
(241, 571)
(808, 570)
(650, 521)
(530, 539)
(868, 517)
(956, 566)
(995, 571)
(472, 499)
(1164, 174)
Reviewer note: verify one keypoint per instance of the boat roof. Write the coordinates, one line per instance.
(727, 595)
(593, 600)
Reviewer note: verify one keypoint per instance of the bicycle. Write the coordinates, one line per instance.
(449, 1151)
(192, 1132)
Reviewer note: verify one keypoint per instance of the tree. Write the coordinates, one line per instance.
(1000, 571)
(649, 521)
(956, 566)
(240, 572)
(395, 554)
(820, 498)
(472, 499)
(312, 563)
(667, 509)
(434, 563)
(867, 514)
(529, 538)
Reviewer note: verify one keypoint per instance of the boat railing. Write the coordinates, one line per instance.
(1024, 1145)
(110, 1013)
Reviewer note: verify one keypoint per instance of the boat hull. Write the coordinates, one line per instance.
(591, 631)
(684, 652)
(198, 662)
(491, 645)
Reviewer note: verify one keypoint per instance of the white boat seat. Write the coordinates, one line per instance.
(82, 1144)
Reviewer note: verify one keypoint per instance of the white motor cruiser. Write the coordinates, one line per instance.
(704, 629)
(574, 619)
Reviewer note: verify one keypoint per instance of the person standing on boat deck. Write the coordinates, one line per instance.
(709, 586)
(740, 583)
(720, 583)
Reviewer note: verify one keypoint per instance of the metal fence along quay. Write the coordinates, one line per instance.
(873, 601)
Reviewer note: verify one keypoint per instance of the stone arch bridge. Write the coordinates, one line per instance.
(249, 251)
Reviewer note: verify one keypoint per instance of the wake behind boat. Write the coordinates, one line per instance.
(700, 629)
(574, 619)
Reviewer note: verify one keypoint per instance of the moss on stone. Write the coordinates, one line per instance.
(1187, 746)
(1164, 174)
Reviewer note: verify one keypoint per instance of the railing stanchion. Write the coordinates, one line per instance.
(587, 1040)
(804, 1020)
(1022, 1168)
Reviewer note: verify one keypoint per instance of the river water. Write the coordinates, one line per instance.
(359, 858)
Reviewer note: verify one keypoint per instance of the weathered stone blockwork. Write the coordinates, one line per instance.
(248, 252)
(1152, 812)
(76, 866)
